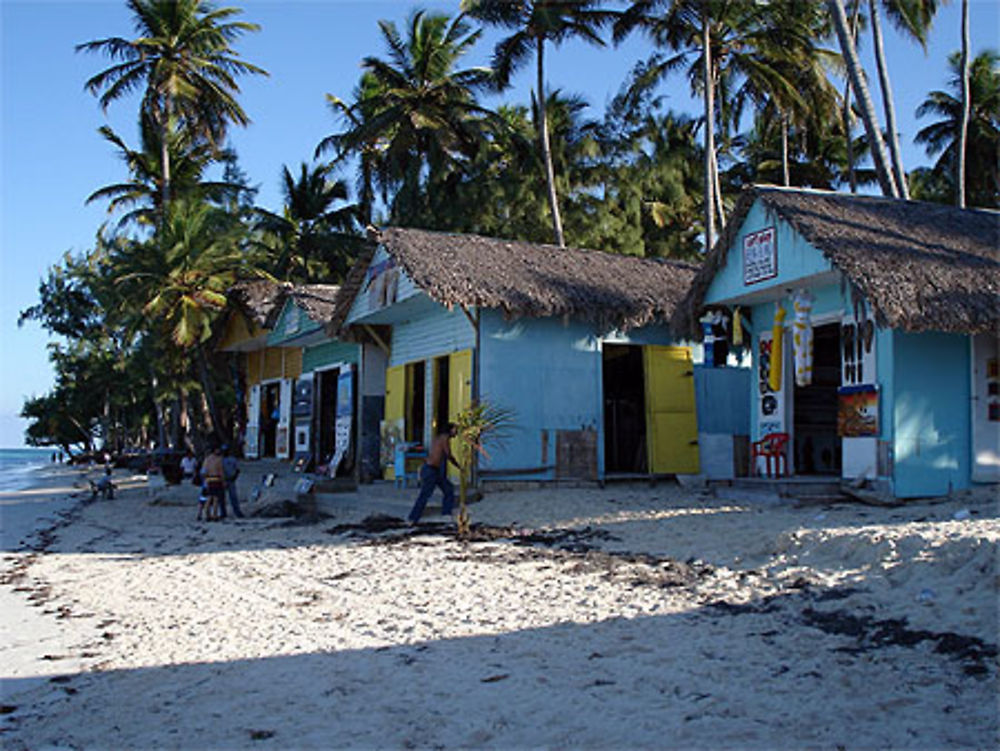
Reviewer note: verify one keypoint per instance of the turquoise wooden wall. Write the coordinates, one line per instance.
(328, 353)
(931, 415)
(797, 259)
(436, 332)
(292, 323)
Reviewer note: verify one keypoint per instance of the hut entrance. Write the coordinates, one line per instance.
(439, 419)
(816, 443)
(624, 410)
(415, 393)
(270, 412)
(326, 442)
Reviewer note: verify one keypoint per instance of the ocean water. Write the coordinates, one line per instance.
(17, 466)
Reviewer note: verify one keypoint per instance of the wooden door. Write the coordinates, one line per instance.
(459, 389)
(671, 420)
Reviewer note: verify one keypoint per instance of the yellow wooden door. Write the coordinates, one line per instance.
(671, 421)
(459, 390)
(395, 404)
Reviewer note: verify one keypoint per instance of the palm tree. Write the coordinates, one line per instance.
(418, 109)
(535, 22)
(183, 62)
(913, 17)
(178, 280)
(982, 179)
(141, 196)
(318, 240)
(963, 133)
(860, 87)
(751, 53)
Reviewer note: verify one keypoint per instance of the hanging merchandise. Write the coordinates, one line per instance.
(708, 339)
(737, 327)
(802, 337)
(777, 334)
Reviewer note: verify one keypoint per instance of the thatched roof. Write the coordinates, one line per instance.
(535, 280)
(258, 299)
(922, 266)
(317, 300)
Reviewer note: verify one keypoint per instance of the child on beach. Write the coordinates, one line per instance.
(202, 501)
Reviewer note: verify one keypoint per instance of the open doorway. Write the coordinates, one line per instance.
(270, 411)
(816, 443)
(326, 437)
(624, 410)
(439, 420)
(416, 380)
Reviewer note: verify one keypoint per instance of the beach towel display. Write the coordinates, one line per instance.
(777, 335)
(802, 337)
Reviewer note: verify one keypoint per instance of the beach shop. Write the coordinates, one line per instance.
(872, 327)
(265, 374)
(322, 398)
(574, 342)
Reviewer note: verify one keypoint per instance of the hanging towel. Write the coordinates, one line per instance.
(737, 327)
(802, 337)
(777, 334)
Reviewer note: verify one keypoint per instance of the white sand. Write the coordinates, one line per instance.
(692, 622)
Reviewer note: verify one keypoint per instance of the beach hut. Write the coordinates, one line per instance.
(574, 342)
(265, 374)
(323, 402)
(872, 325)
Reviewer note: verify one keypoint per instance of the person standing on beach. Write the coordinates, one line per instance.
(434, 474)
(213, 476)
(230, 471)
(189, 466)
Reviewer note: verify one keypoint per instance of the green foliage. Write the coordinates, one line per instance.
(477, 426)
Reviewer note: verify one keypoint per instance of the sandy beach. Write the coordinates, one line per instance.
(625, 617)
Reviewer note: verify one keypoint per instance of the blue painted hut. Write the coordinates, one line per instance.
(575, 342)
(872, 325)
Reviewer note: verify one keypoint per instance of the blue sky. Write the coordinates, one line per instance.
(51, 157)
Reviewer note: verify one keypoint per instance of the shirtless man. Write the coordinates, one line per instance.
(434, 474)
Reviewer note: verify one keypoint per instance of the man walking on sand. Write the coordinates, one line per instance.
(434, 474)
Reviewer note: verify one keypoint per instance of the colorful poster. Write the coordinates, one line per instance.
(857, 413)
(345, 416)
(770, 403)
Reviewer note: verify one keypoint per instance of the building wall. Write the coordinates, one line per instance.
(931, 416)
(329, 353)
(548, 372)
(797, 259)
(437, 332)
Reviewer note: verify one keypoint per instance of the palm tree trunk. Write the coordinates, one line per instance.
(848, 113)
(206, 386)
(887, 102)
(784, 151)
(543, 134)
(709, 99)
(868, 116)
(963, 131)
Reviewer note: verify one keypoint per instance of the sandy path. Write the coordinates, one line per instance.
(622, 618)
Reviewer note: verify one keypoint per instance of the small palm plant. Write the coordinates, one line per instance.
(479, 424)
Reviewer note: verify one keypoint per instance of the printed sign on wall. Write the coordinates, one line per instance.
(760, 256)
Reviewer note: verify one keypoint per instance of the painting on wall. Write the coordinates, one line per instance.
(857, 413)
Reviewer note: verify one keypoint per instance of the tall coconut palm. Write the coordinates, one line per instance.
(963, 133)
(751, 53)
(883, 170)
(185, 66)
(140, 197)
(983, 142)
(420, 109)
(535, 22)
(317, 239)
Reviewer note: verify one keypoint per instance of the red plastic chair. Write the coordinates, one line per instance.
(773, 446)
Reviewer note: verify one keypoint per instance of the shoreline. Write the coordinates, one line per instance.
(630, 617)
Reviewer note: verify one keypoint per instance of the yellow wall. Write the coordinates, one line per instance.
(293, 362)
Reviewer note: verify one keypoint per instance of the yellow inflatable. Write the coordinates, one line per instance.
(777, 337)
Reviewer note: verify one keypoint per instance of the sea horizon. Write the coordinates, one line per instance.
(17, 465)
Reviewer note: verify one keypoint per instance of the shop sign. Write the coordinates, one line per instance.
(760, 256)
